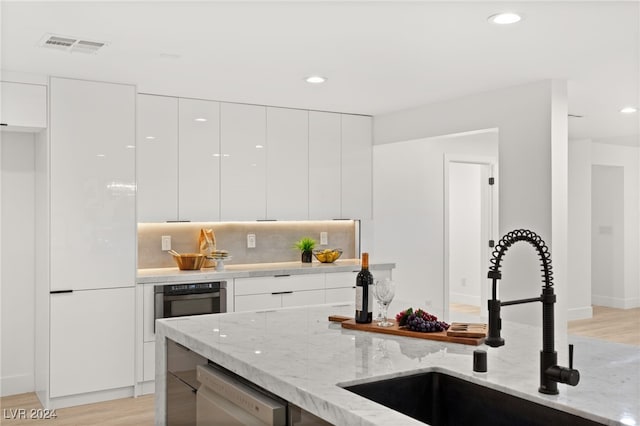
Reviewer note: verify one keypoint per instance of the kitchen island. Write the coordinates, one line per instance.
(300, 356)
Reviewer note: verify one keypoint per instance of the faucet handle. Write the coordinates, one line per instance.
(571, 356)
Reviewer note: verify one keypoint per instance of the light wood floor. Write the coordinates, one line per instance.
(119, 412)
(613, 325)
(616, 325)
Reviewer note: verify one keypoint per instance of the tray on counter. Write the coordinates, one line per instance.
(464, 333)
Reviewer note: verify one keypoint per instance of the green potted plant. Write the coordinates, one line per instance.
(306, 245)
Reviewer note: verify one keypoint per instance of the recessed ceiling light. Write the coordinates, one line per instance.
(150, 138)
(316, 79)
(259, 146)
(202, 120)
(505, 18)
(628, 110)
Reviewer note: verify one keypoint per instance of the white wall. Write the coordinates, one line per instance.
(583, 154)
(409, 210)
(607, 235)
(579, 229)
(531, 119)
(627, 158)
(465, 242)
(17, 288)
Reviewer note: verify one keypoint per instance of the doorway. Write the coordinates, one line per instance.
(470, 221)
(607, 236)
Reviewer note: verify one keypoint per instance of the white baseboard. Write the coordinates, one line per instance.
(90, 398)
(583, 312)
(13, 385)
(145, 388)
(465, 299)
(615, 302)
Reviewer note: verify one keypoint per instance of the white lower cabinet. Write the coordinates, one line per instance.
(92, 341)
(149, 361)
(259, 293)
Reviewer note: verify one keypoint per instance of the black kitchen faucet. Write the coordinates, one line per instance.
(550, 372)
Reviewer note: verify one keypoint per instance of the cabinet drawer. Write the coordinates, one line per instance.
(256, 302)
(274, 284)
(301, 298)
(341, 279)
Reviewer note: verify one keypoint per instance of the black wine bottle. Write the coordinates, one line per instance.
(364, 292)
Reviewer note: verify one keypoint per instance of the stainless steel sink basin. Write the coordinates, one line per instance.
(440, 399)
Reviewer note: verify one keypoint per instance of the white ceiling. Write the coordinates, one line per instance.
(378, 56)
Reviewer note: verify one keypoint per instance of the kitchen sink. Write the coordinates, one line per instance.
(440, 399)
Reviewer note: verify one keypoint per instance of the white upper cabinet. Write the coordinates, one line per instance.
(243, 158)
(24, 106)
(287, 163)
(324, 165)
(356, 167)
(157, 158)
(199, 160)
(93, 224)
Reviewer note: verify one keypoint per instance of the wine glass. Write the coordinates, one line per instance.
(378, 318)
(384, 291)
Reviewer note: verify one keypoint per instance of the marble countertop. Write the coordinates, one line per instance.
(176, 276)
(299, 355)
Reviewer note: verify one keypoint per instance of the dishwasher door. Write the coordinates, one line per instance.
(224, 400)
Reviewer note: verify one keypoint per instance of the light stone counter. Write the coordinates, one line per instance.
(300, 356)
(176, 276)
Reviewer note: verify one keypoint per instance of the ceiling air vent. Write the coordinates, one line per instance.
(70, 44)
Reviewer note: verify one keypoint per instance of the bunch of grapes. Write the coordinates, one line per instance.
(421, 321)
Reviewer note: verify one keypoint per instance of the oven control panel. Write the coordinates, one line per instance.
(195, 288)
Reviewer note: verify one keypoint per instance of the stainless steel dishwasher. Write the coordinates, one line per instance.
(223, 399)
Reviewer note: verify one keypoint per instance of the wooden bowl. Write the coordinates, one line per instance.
(189, 261)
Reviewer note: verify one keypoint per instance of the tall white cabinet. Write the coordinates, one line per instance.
(287, 159)
(356, 166)
(85, 336)
(157, 158)
(198, 160)
(243, 146)
(324, 165)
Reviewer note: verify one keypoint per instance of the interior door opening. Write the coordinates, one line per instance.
(469, 224)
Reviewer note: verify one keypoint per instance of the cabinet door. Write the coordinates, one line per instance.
(148, 321)
(24, 106)
(287, 164)
(257, 302)
(243, 162)
(301, 298)
(199, 160)
(92, 341)
(157, 157)
(93, 223)
(356, 167)
(324, 165)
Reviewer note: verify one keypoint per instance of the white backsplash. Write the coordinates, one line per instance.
(274, 240)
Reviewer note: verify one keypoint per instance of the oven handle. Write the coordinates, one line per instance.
(192, 296)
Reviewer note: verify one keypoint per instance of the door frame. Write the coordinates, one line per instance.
(490, 199)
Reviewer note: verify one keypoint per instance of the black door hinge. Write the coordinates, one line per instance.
(492, 181)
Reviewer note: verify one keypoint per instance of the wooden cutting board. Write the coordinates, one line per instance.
(467, 329)
(442, 336)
